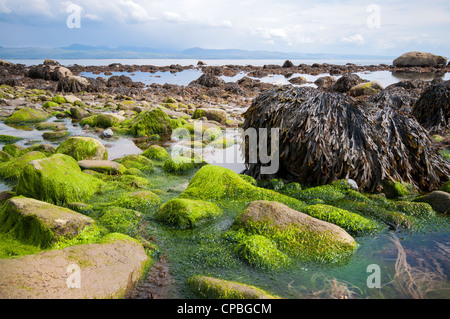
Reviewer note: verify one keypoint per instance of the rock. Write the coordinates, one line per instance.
(74, 84)
(151, 122)
(325, 81)
(71, 98)
(108, 133)
(179, 165)
(108, 269)
(420, 59)
(50, 126)
(136, 161)
(209, 80)
(298, 80)
(439, 201)
(288, 64)
(156, 152)
(217, 115)
(77, 113)
(346, 82)
(5, 157)
(325, 136)
(298, 233)
(187, 213)
(27, 115)
(14, 150)
(213, 288)
(12, 169)
(141, 201)
(432, 109)
(57, 179)
(119, 81)
(39, 223)
(49, 70)
(102, 166)
(81, 148)
(55, 135)
(369, 88)
(47, 149)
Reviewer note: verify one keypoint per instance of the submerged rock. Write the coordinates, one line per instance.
(27, 115)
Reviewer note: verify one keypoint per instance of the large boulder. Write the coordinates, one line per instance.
(421, 59)
(92, 271)
(346, 82)
(39, 223)
(83, 148)
(12, 169)
(326, 136)
(439, 200)
(58, 180)
(432, 109)
(49, 70)
(294, 232)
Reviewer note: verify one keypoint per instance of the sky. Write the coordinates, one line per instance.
(378, 27)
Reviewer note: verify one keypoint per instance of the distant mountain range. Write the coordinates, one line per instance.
(81, 51)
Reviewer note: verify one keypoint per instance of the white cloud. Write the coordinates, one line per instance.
(172, 17)
(354, 39)
(4, 8)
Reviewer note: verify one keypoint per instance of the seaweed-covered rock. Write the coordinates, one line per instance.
(49, 70)
(432, 109)
(74, 84)
(58, 180)
(439, 200)
(369, 88)
(120, 220)
(151, 122)
(83, 148)
(296, 233)
(213, 288)
(346, 82)
(12, 169)
(14, 150)
(217, 115)
(102, 166)
(137, 161)
(39, 223)
(156, 152)
(326, 136)
(141, 201)
(218, 183)
(27, 115)
(187, 213)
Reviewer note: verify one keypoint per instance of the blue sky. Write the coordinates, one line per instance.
(361, 27)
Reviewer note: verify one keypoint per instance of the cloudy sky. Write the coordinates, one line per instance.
(352, 26)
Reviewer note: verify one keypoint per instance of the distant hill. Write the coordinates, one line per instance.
(81, 51)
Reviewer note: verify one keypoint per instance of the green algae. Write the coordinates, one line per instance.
(58, 180)
(12, 169)
(27, 115)
(156, 152)
(81, 148)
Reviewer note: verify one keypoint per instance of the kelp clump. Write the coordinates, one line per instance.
(325, 136)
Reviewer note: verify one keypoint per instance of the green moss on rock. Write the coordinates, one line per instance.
(156, 152)
(137, 161)
(186, 213)
(57, 179)
(213, 288)
(179, 165)
(142, 201)
(11, 170)
(14, 150)
(83, 148)
(121, 220)
(353, 223)
(27, 115)
(150, 122)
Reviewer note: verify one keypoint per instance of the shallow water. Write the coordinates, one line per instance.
(187, 76)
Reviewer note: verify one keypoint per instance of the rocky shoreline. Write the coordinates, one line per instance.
(68, 203)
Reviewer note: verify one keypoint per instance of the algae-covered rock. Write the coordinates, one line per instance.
(186, 213)
(142, 201)
(102, 166)
(214, 288)
(121, 220)
(180, 165)
(57, 179)
(137, 161)
(446, 187)
(353, 223)
(439, 200)
(218, 183)
(7, 139)
(217, 115)
(12, 169)
(27, 115)
(55, 135)
(151, 122)
(261, 252)
(107, 270)
(47, 149)
(294, 232)
(83, 148)
(103, 120)
(39, 223)
(156, 152)
(14, 150)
